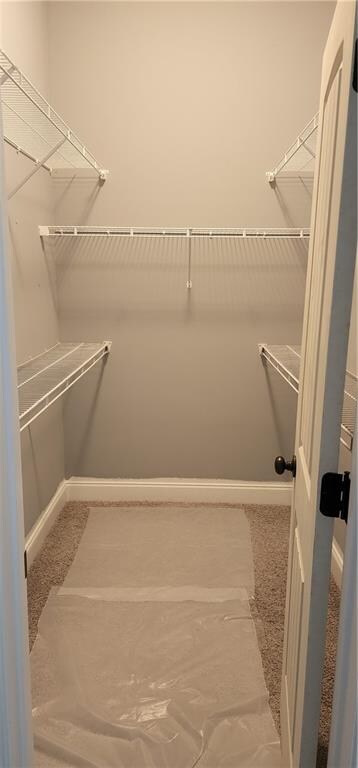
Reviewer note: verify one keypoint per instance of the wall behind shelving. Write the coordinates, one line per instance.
(187, 104)
(24, 37)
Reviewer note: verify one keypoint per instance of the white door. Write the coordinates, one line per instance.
(325, 339)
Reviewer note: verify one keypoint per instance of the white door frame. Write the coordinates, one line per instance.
(16, 746)
(343, 736)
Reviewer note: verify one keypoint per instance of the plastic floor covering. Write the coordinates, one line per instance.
(147, 656)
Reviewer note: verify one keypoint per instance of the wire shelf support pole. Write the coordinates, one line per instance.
(189, 283)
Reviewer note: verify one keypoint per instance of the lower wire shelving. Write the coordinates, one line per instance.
(286, 360)
(46, 377)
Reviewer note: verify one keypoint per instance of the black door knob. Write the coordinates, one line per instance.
(281, 465)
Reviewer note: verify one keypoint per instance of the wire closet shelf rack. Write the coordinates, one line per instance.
(189, 232)
(300, 157)
(36, 130)
(286, 359)
(45, 378)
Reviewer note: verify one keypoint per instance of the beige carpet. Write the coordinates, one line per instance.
(269, 530)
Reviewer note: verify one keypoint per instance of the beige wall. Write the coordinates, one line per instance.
(24, 37)
(187, 104)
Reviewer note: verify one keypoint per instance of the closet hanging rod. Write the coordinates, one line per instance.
(187, 232)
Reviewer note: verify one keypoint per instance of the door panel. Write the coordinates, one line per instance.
(324, 343)
(321, 244)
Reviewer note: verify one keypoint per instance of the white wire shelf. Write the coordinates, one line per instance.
(36, 130)
(189, 232)
(300, 156)
(46, 377)
(286, 361)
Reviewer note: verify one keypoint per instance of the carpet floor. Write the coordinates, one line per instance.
(269, 532)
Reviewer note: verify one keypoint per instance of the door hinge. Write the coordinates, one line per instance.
(25, 563)
(334, 501)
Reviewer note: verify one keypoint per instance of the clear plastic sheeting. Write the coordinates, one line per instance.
(164, 546)
(168, 685)
(134, 676)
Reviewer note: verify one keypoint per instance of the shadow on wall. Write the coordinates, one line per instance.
(42, 452)
(91, 393)
(141, 274)
(294, 197)
(84, 191)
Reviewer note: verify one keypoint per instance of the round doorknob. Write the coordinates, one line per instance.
(281, 465)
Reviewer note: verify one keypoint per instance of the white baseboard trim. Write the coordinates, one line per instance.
(177, 490)
(44, 523)
(163, 489)
(337, 563)
(159, 489)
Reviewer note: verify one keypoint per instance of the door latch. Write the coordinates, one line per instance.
(334, 500)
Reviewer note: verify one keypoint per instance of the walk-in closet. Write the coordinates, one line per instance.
(178, 382)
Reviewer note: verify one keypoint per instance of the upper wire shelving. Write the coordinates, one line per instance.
(46, 377)
(36, 130)
(300, 156)
(286, 361)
